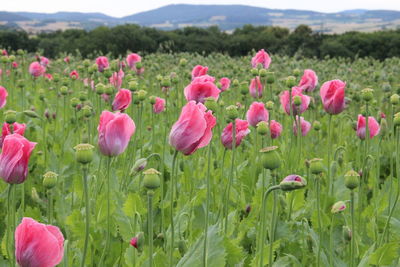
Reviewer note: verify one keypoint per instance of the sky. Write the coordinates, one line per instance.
(120, 8)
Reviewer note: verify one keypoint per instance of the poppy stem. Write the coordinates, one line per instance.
(230, 176)
(207, 206)
(108, 211)
(318, 184)
(11, 222)
(171, 209)
(331, 241)
(273, 223)
(330, 179)
(87, 211)
(352, 245)
(263, 207)
(150, 194)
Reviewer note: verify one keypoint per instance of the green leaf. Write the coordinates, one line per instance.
(234, 252)
(385, 255)
(216, 251)
(132, 205)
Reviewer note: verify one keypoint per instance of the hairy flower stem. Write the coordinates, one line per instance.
(207, 206)
(330, 179)
(353, 230)
(108, 211)
(226, 206)
(331, 251)
(171, 209)
(263, 207)
(150, 194)
(87, 211)
(318, 184)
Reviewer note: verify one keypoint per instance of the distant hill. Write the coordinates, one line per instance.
(227, 17)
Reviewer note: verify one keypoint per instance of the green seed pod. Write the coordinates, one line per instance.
(30, 113)
(290, 81)
(384, 127)
(232, 112)
(151, 179)
(263, 73)
(100, 88)
(270, 78)
(262, 128)
(316, 166)
(244, 88)
(152, 100)
(166, 82)
(10, 116)
(82, 96)
(139, 65)
(64, 90)
(211, 104)
(270, 158)
(20, 52)
(182, 247)
(367, 94)
(141, 95)
(84, 153)
(317, 126)
(296, 72)
(394, 99)
(396, 119)
(297, 100)
(351, 179)
(74, 102)
(133, 85)
(269, 105)
(87, 111)
(338, 207)
(183, 62)
(107, 73)
(21, 83)
(235, 83)
(50, 179)
(254, 72)
(109, 90)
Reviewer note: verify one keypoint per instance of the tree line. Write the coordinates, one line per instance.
(302, 42)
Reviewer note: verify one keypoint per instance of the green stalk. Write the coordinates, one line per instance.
(318, 184)
(207, 206)
(226, 213)
(353, 236)
(87, 211)
(263, 207)
(171, 209)
(330, 179)
(331, 242)
(273, 224)
(108, 211)
(11, 223)
(150, 194)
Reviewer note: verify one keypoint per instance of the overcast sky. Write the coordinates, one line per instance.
(120, 8)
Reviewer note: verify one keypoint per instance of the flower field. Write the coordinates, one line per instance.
(193, 160)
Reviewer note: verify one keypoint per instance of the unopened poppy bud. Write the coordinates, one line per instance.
(270, 158)
(296, 72)
(248, 209)
(211, 104)
(50, 179)
(347, 234)
(292, 182)
(141, 95)
(183, 62)
(139, 166)
(35, 196)
(367, 94)
(138, 241)
(151, 179)
(297, 100)
(262, 72)
(30, 113)
(84, 153)
(316, 166)
(182, 247)
(41, 94)
(10, 116)
(47, 114)
(100, 88)
(384, 127)
(87, 111)
(262, 128)
(394, 99)
(133, 85)
(232, 112)
(269, 105)
(64, 90)
(290, 81)
(338, 207)
(317, 126)
(254, 72)
(351, 179)
(396, 119)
